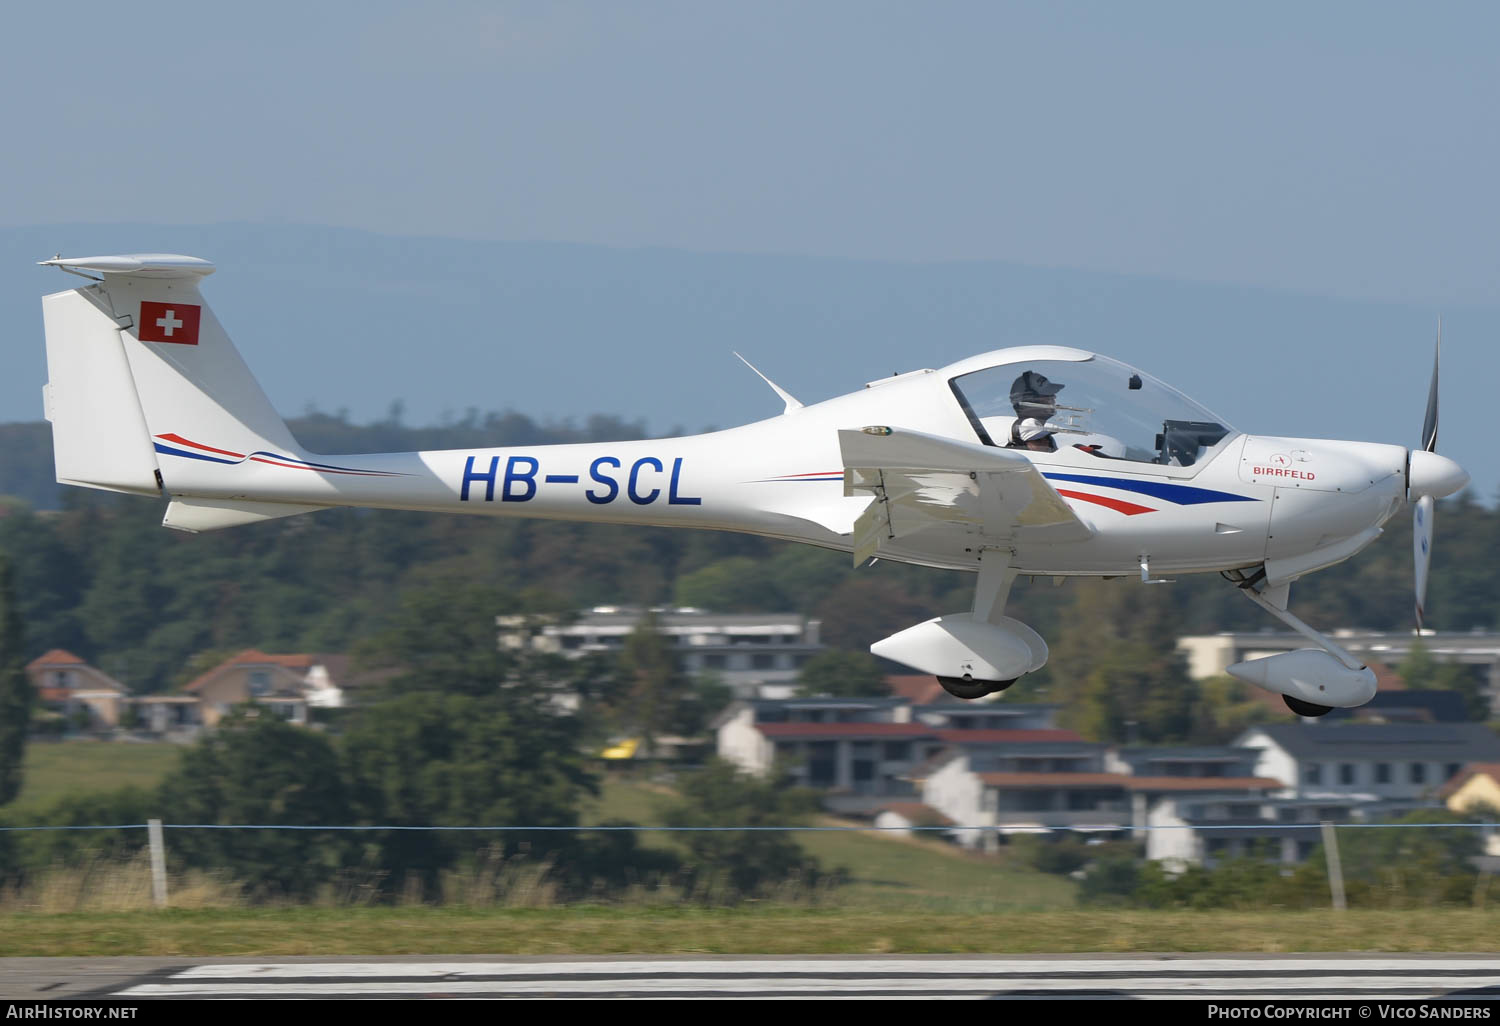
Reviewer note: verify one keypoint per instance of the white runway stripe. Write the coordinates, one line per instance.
(956, 966)
(1302, 977)
(743, 985)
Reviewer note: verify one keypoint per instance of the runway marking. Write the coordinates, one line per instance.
(957, 966)
(1251, 978)
(741, 985)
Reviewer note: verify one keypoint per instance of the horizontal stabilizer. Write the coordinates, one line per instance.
(146, 265)
(197, 515)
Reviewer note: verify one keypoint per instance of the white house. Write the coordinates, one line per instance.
(746, 650)
(861, 751)
(1367, 761)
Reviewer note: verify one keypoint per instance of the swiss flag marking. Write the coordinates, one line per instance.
(169, 322)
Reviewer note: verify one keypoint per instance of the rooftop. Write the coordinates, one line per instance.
(296, 662)
(1125, 782)
(56, 657)
(1447, 742)
(1469, 772)
(842, 730)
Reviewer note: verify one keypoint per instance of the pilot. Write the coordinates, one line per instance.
(1035, 401)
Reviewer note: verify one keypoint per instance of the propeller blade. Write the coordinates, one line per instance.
(1421, 547)
(1430, 423)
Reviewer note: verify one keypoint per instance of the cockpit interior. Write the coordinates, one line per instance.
(1096, 407)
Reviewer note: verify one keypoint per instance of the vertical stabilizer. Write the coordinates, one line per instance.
(99, 435)
(140, 367)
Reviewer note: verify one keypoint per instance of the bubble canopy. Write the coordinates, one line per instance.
(1096, 406)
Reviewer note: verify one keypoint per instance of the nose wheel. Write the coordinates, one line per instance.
(1302, 708)
(968, 689)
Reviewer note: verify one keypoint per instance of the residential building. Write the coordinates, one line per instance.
(288, 685)
(1406, 762)
(171, 717)
(1475, 791)
(70, 686)
(1202, 830)
(956, 714)
(1074, 785)
(1210, 761)
(1206, 829)
(748, 651)
(860, 751)
(1406, 706)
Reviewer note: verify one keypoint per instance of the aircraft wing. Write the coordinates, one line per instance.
(927, 483)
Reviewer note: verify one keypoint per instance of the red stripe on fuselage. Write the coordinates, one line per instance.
(1130, 509)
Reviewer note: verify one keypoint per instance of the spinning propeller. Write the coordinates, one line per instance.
(1429, 476)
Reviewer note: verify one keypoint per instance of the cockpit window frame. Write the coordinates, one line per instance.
(1073, 455)
(963, 403)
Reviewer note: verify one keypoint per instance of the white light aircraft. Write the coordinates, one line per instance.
(1037, 460)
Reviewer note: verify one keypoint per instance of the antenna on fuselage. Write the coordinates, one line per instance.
(786, 397)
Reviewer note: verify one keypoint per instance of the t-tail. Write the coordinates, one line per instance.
(138, 369)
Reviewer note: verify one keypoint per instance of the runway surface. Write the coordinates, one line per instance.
(1243, 977)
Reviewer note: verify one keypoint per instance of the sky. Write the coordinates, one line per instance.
(1337, 148)
(838, 189)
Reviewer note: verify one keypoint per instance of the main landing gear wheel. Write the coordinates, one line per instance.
(1302, 708)
(960, 687)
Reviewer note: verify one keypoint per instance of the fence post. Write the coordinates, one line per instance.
(1335, 867)
(158, 863)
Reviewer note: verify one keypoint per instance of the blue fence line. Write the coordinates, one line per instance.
(1080, 828)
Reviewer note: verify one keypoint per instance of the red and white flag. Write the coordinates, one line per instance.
(169, 322)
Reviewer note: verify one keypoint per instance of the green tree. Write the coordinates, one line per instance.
(1113, 881)
(735, 585)
(1226, 708)
(444, 638)
(256, 769)
(706, 697)
(16, 694)
(43, 850)
(445, 759)
(654, 690)
(1421, 671)
(1410, 864)
(1116, 668)
(864, 608)
(843, 675)
(730, 865)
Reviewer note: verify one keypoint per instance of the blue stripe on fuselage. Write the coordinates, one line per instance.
(193, 455)
(1182, 495)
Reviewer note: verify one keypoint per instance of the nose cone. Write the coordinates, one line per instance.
(1427, 473)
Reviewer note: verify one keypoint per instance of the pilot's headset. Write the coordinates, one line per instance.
(1033, 396)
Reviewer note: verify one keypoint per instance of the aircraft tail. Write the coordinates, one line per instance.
(139, 367)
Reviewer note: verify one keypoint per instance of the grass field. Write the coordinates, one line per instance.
(888, 872)
(770, 930)
(907, 896)
(55, 769)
